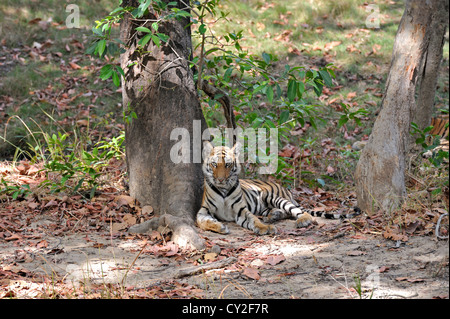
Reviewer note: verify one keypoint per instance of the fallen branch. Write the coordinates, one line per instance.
(190, 271)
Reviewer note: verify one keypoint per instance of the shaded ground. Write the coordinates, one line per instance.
(323, 261)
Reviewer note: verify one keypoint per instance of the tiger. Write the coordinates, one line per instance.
(230, 199)
(441, 130)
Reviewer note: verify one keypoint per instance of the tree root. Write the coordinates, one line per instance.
(183, 232)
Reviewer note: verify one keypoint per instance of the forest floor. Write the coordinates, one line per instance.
(57, 254)
(59, 240)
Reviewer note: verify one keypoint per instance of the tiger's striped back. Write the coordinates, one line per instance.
(440, 126)
(441, 130)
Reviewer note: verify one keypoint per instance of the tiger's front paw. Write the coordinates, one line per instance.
(304, 220)
(263, 229)
(214, 226)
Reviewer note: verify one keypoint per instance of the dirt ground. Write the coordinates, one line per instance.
(296, 263)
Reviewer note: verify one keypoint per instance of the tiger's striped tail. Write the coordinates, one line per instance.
(327, 215)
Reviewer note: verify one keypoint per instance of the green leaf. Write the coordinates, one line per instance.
(301, 89)
(116, 79)
(91, 49)
(156, 40)
(106, 72)
(321, 182)
(436, 191)
(342, 120)
(317, 87)
(155, 26)
(292, 90)
(101, 45)
(145, 40)
(116, 10)
(284, 116)
(120, 70)
(227, 75)
(269, 93)
(163, 37)
(266, 57)
(141, 9)
(270, 124)
(144, 29)
(202, 29)
(326, 78)
(278, 91)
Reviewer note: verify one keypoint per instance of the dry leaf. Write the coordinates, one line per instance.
(383, 269)
(147, 210)
(409, 279)
(351, 95)
(42, 244)
(252, 273)
(260, 26)
(116, 227)
(33, 205)
(331, 45)
(74, 66)
(274, 260)
(82, 122)
(210, 256)
(129, 219)
(122, 200)
(51, 203)
(330, 170)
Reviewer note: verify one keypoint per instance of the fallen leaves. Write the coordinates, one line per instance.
(408, 279)
(251, 273)
(275, 260)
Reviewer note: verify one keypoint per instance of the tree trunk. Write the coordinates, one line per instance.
(160, 89)
(380, 182)
(431, 63)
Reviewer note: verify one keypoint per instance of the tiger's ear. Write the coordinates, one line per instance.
(207, 148)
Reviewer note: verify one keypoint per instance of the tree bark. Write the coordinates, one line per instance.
(431, 62)
(379, 176)
(160, 89)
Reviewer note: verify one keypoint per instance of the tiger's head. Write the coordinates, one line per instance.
(220, 166)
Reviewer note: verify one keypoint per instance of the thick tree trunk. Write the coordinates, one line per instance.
(160, 89)
(431, 62)
(380, 182)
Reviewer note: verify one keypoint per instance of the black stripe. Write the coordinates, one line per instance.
(239, 214)
(236, 201)
(240, 211)
(210, 202)
(214, 188)
(233, 188)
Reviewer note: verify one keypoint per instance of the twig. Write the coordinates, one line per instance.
(190, 271)
(238, 287)
(132, 264)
